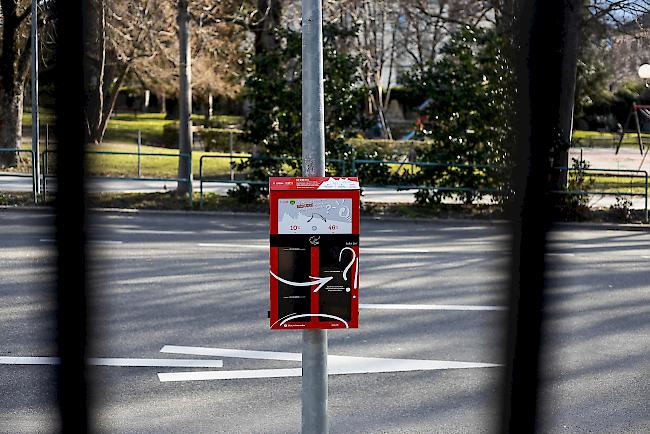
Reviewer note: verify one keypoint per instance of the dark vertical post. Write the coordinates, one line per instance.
(540, 41)
(35, 119)
(184, 99)
(70, 206)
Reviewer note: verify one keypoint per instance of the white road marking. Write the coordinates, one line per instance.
(113, 361)
(432, 307)
(156, 232)
(560, 254)
(229, 375)
(336, 365)
(363, 249)
(235, 246)
(50, 240)
(240, 354)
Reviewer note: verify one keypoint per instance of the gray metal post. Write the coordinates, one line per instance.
(184, 97)
(139, 145)
(35, 136)
(232, 171)
(646, 197)
(314, 342)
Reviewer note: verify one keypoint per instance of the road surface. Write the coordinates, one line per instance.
(195, 286)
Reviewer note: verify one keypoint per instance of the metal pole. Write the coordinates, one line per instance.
(314, 342)
(201, 182)
(232, 172)
(139, 144)
(185, 97)
(646, 197)
(35, 138)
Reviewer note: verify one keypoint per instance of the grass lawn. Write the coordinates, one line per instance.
(618, 184)
(595, 138)
(126, 166)
(152, 166)
(124, 127)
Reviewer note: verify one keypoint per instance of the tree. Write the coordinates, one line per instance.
(14, 68)
(468, 116)
(274, 90)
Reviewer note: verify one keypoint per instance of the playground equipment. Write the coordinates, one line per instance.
(634, 112)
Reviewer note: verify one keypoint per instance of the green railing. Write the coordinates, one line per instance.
(32, 175)
(232, 178)
(401, 178)
(405, 182)
(185, 156)
(641, 175)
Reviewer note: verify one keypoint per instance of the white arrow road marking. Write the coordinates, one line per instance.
(432, 307)
(239, 354)
(125, 362)
(317, 280)
(336, 365)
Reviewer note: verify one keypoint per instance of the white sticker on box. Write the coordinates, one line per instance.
(315, 216)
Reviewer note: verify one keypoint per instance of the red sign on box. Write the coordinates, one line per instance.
(314, 253)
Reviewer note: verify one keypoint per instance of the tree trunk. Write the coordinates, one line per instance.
(108, 109)
(184, 100)
(11, 123)
(14, 65)
(163, 102)
(572, 19)
(95, 63)
(208, 110)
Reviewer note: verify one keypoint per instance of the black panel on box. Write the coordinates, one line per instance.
(294, 264)
(335, 255)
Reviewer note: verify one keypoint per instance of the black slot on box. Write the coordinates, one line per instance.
(293, 265)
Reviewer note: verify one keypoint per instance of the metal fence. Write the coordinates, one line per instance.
(32, 175)
(604, 188)
(184, 156)
(402, 175)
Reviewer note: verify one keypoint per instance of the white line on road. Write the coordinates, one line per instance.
(51, 240)
(112, 361)
(235, 246)
(364, 249)
(336, 365)
(240, 354)
(229, 375)
(432, 307)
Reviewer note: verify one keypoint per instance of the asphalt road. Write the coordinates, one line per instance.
(201, 281)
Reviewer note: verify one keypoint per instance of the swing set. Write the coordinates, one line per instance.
(634, 113)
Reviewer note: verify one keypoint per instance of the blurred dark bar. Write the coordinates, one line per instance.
(539, 44)
(70, 206)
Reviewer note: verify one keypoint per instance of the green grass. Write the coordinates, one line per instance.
(124, 127)
(595, 138)
(126, 166)
(617, 184)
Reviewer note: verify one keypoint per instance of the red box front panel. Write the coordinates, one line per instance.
(314, 253)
